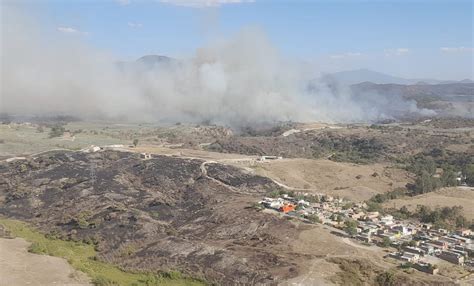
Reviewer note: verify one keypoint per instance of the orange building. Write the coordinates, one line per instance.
(287, 208)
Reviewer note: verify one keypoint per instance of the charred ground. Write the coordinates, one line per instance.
(158, 214)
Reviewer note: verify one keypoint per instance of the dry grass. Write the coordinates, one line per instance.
(355, 182)
(446, 197)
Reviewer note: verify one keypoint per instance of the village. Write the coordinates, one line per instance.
(416, 245)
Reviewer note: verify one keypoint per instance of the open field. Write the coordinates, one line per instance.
(355, 182)
(446, 197)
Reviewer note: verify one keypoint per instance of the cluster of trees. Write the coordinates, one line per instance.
(350, 226)
(445, 217)
(425, 169)
(353, 149)
(57, 131)
(395, 194)
(424, 166)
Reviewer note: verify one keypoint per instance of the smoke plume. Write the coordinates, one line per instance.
(238, 81)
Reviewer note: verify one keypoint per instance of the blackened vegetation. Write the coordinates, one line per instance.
(325, 145)
(161, 214)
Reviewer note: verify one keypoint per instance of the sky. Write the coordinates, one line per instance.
(412, 39)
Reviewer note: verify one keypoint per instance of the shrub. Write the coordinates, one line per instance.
(103, 281)
(385, 279)
(56, 131)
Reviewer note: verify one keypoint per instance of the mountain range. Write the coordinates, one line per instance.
(351, 77)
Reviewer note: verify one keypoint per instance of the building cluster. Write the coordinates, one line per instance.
(413, 240)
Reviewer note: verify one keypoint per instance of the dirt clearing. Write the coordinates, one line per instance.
(19, 267)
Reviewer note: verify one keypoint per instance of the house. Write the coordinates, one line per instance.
(462, 239)
(389, 235)
(452, 257)
(402, 230)
(387, 220)
(357, 215)
(439, 244)
(464, 232)
(264, 158)
(409, 257)
(145, 155)
(286, 208)
(415, 250)
(365, 236)
(426, 267)
(303, 203)
(91, 149)
(272, 203)
(428, 249)
(426, 226)
(372, 215)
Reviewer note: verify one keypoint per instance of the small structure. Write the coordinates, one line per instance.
(286, 208)
(145, 156)
(365, 237)
(409, 257)
(426, 267)
(91, 149)
(264, 158)
(452, 257)
(414, 250)
(464, 232)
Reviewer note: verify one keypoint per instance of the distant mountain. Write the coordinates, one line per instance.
(152, 61)
(445, 89)
(364, 75)
(149, 62)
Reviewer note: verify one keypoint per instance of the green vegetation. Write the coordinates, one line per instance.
(424, 165)
(446, 217)
(350, 227)
(354, 150)
(385, 279)
(56, 131)
(469, 173)
(395, 194)
(82, 257)
(314, 219)
(135, 142)
(386, 242)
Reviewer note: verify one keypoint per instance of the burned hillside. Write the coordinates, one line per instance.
(163, 214)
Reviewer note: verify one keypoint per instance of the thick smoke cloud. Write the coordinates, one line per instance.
(236, 82)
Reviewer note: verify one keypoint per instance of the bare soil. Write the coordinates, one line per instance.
(18, 267)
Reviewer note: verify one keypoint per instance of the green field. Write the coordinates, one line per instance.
(81, 256)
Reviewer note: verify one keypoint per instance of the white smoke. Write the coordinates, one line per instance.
(238, 81)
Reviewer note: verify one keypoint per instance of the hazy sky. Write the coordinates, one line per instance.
(416, 39)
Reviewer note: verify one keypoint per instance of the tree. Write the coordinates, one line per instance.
(386, 242)
(350, 227)
(425, 183)
(385, 279)
(469, 173)
(449, 178)
(314, 219)
(135, 142)
(56, 131)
